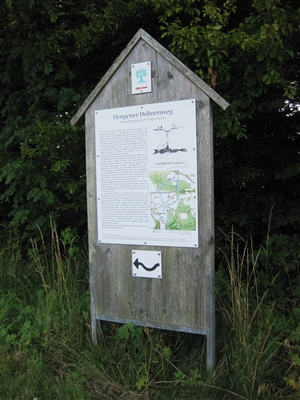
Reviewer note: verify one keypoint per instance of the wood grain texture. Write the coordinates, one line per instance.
(78, 118)
(179, 299)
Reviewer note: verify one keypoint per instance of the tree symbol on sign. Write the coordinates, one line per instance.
(140, 74)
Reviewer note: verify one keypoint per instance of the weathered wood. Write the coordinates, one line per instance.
(183, 300)
(178, 301)
(78, 118)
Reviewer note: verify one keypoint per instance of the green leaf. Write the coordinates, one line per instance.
(260, 57)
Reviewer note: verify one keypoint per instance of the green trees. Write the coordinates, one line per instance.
(53, 53)
(37, 92)
(249, 52)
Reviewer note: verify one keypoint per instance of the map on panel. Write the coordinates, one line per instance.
(173, 200)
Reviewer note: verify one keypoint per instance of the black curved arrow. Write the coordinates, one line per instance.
(137, 263)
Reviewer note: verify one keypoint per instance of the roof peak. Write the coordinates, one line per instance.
(78, 118)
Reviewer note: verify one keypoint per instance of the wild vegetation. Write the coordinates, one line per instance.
(45, 338)
(52, 55)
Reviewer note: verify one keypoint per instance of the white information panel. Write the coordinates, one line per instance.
(146, 168)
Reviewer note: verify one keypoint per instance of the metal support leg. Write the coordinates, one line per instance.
(93, 310)
(211, 324)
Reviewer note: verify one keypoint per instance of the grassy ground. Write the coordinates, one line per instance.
(46, 350)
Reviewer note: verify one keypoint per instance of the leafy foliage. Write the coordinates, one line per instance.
(248, 51)
(46, 351)
(52, 55)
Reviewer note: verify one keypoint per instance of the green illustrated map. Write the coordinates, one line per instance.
(173, 201)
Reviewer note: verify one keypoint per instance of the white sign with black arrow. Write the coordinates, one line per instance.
(146, 264)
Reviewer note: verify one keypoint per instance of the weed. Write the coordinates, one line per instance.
(46, 350)
(250, 350)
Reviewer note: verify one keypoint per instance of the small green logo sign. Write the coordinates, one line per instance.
(140, 74)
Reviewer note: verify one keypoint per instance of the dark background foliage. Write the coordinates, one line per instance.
(54, 52)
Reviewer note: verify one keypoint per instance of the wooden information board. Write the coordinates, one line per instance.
(149, 157)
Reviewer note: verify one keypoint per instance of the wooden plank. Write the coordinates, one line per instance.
(78, 118)
(178, 65)
(178, 300)
(141, 35)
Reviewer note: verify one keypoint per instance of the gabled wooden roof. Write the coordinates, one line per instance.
(78, 118)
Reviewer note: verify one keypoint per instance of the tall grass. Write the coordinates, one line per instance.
(45, 339)
(251, 349)
(62, 279)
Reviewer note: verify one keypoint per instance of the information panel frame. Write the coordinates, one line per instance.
(146, 174)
